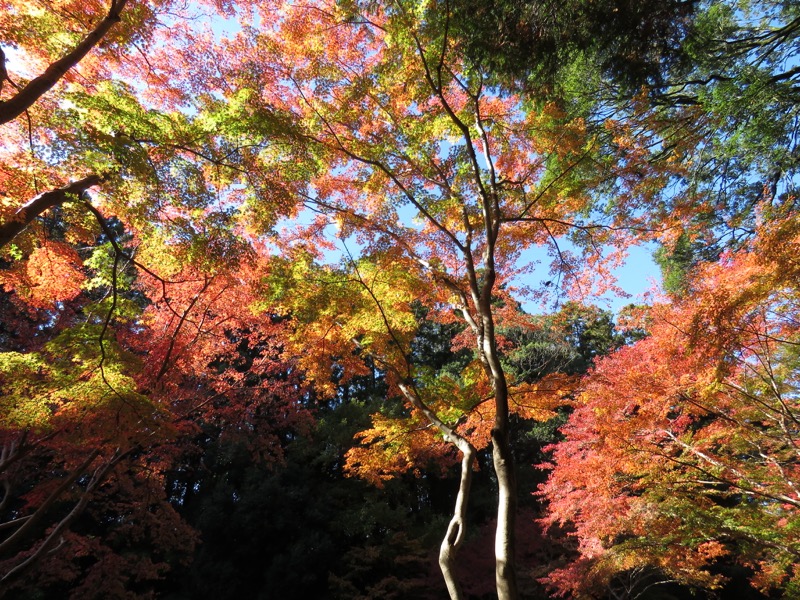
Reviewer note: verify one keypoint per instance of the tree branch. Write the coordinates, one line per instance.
(13, 541)
(43, 202)
(37, 87)
(56, 533)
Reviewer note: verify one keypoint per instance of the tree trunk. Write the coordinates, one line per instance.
(37, 87)
(505, 570)
(502, 458)
(25, 215)
(454, 537)
(455, 530)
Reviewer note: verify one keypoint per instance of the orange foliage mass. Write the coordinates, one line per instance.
(683, 434)
(52, 273)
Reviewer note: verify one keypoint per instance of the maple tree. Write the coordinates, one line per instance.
(432, 160)
(99, 411)
(90, 426)
(105, 115)
(719, 72)
(683, 451)
(111, 365)
(23, 27)
(95, 359)
(442, 181)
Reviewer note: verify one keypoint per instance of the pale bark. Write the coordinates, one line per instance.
(481, 280)
(503, 460)
(37, 87)
(15, 224)
(454, 537)
(505, 571)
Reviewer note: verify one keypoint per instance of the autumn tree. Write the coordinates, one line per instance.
(52, 47)
(683, 453)
(174, 301)
(91, 106)
(720, 73)
(91, 394)
(73, 422)
(100, 410)
(439, 180)
(107, 297)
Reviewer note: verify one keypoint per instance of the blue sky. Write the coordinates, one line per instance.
(638, 275)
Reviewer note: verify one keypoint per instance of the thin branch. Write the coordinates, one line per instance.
(165, 363)
(56, 533)
(14, 540)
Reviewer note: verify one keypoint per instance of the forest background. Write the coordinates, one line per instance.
(300, 299)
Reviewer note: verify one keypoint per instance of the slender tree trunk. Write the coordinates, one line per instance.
(502, 457)
(38, 205)
(37, 87)
(454, 537)
(505, 543)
